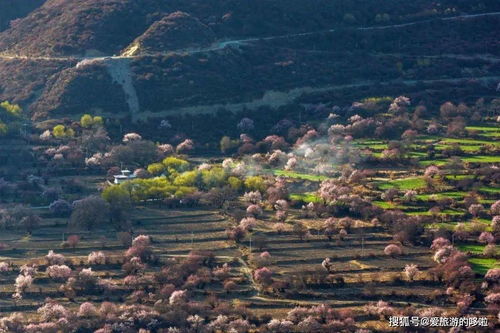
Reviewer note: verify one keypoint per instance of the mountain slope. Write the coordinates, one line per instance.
(192, 53)
(11, 10)
(173, 32)
(68, 27)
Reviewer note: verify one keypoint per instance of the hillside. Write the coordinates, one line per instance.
(245, 72)
(241, 52)
(12, 10)
(173, 32)
(64, 27)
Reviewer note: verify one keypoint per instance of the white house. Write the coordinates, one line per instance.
(124, 176)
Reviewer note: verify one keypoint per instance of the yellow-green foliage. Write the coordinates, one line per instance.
(117, 195)
(375, 103)
(170, 166)
(214, 177)
(3, 128)
(187, 178)
(156, 169)
(174, 179)
(60, 131)
(175, 165)
(376, 100)
(98, 120)
(155, 188)
(12, 109)
(255, 183)
(88, 121)
(235, 183)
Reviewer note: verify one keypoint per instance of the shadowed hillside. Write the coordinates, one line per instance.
(11, 10)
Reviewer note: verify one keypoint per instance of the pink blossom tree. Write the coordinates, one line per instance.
(178, 297)
(55, 258)
(129, 137)
(96, 258)
(22, 283)
(495, 208)
(486, 237)
(87, 310)
(254, 210)
(185, 146)
(59, 272)
(263, 276)
(410, 271)
(476, 209)
(253, 197)
(248, 223)
(439, 243)
(393, 250)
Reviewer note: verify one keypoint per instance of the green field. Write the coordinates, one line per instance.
(411, 183)
(490, 190)
(297, 175)
(476, 249)
(469, 159)
(474, 142)
(485, 130)
(306, 197)
(453, 195)
(482, 265)
(482, 159)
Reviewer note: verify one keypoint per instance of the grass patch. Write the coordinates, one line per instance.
(469, 142)
(465, 148)
(375, 145)
(490, 190)
(483, 128)
(482, 159)
(444, 212)
(441, 225)
(476, 249)
(470, 159)
(486, 131)
(482, 265)
(297, 175)
(403, 184)
(387, 205)
(453, 195)
(306, 197)
(458, 177)
(439, 162)
(417, 154)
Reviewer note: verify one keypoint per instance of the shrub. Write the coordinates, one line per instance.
(495, 208)
(73, 240)
(87, 310)
(254, 210)
(4, 267)
(439, 243)
(55, 258)
(263, 276)
(410, 271)
(393, 250)
(58, 272)
(96, 258)
(60, 208)
(486, 237)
